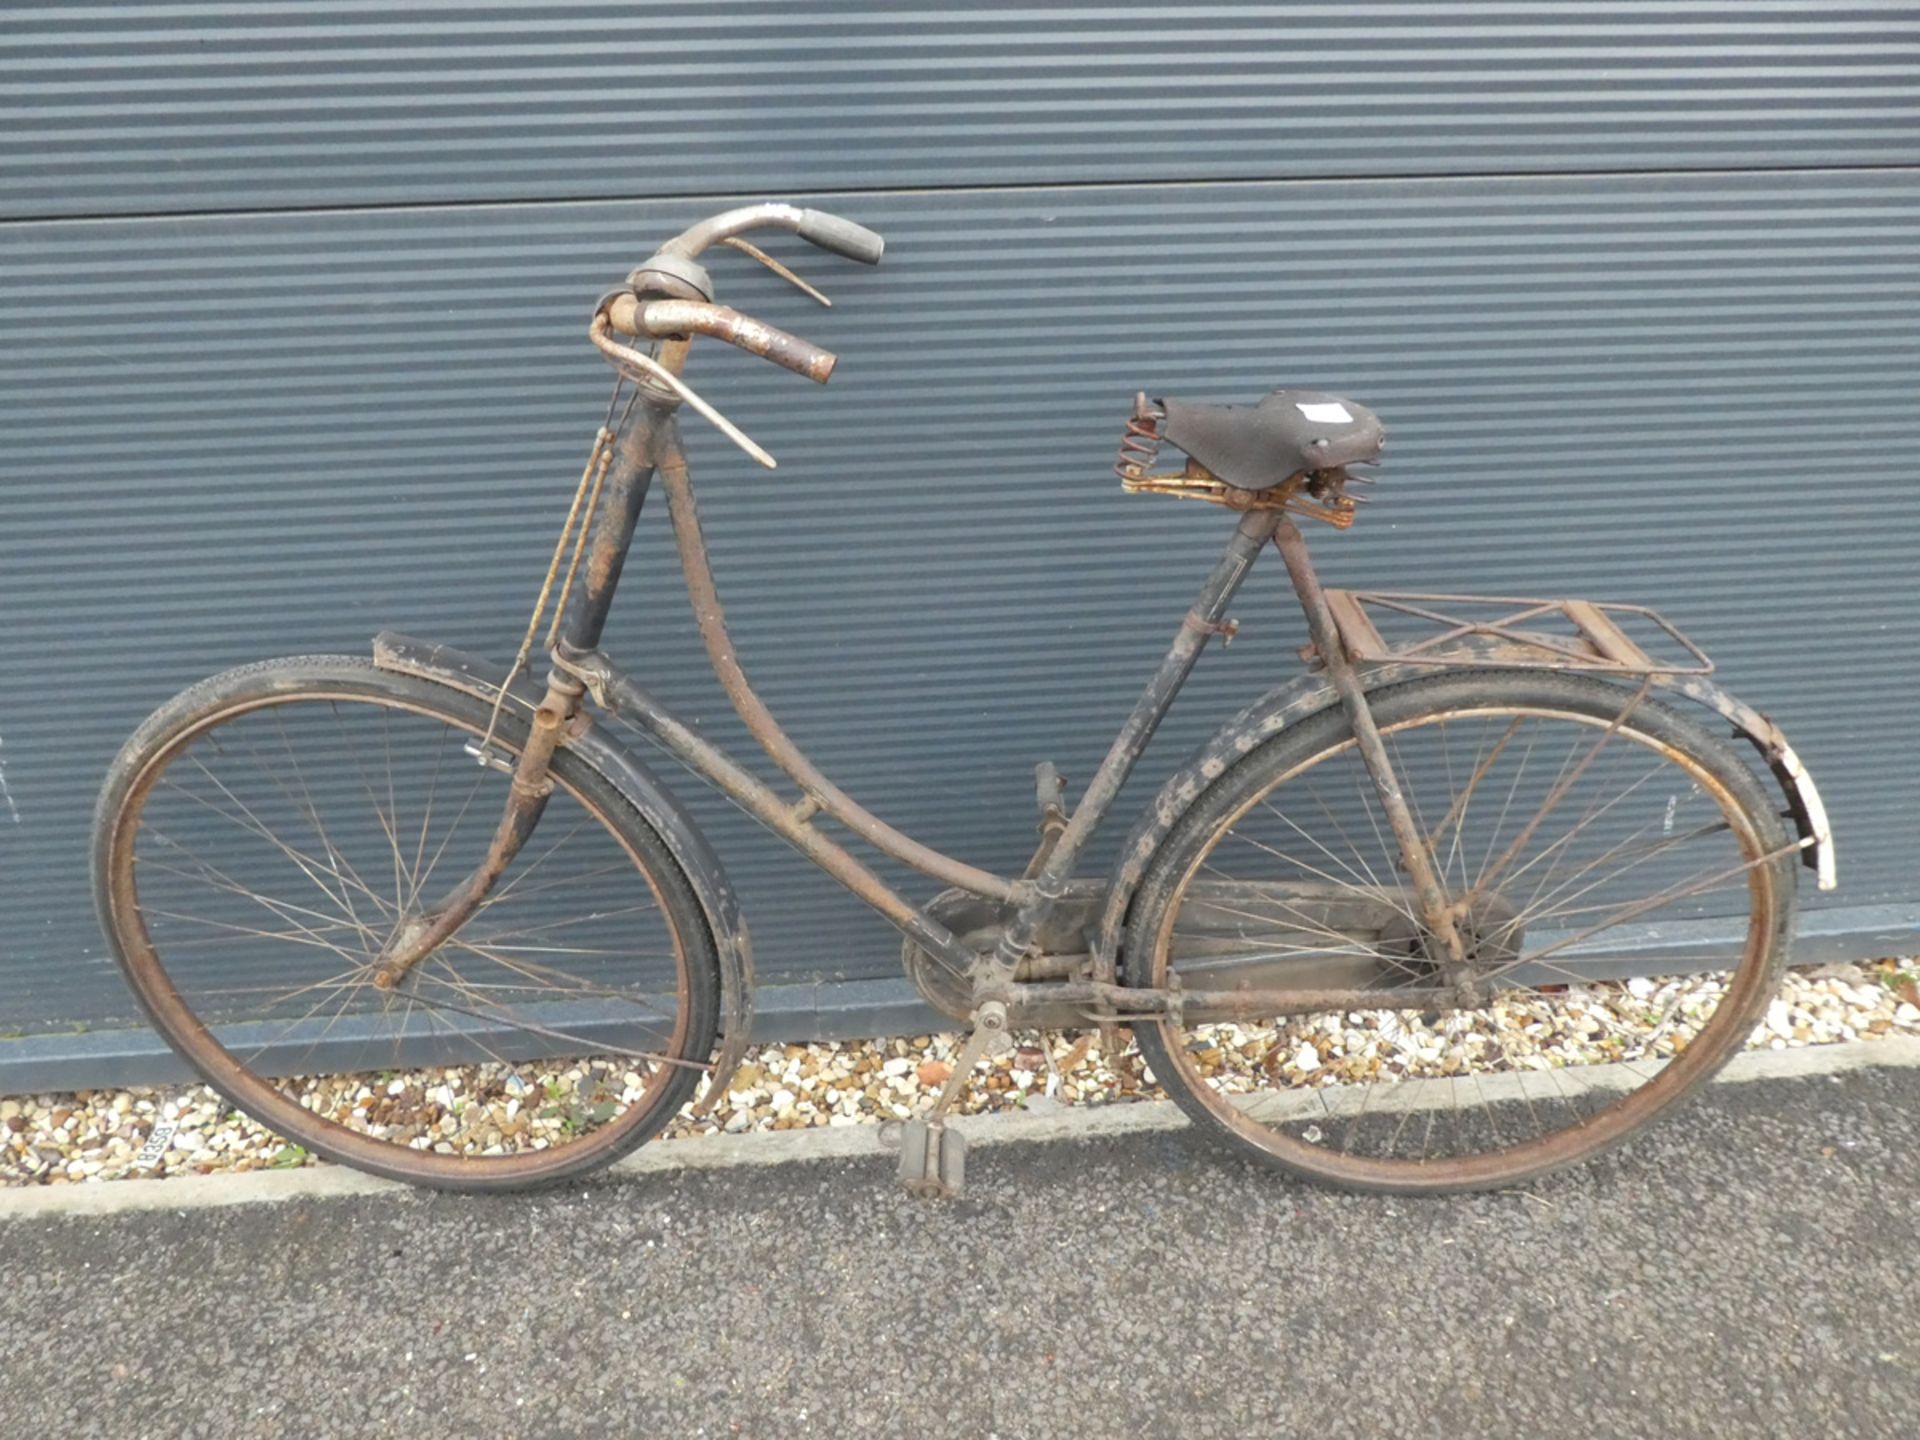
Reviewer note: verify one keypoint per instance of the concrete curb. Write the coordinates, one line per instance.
(1042, 1121)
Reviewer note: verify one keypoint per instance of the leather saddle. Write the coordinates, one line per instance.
(1256, 447)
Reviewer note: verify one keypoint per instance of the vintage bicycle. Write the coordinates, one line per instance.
(1477, 894)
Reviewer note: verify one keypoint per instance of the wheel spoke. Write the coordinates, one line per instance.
(303, 803)
(1561, 787)
(1656, 902)
(305, 863)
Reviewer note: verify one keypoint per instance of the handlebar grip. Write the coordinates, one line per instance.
(842, 237)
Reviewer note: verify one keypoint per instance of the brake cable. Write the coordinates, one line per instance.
(586, 500)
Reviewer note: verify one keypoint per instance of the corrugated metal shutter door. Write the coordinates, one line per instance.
(238, 426)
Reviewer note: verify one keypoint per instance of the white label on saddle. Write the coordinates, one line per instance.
(1332, 413)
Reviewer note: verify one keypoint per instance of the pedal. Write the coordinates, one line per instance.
(933, 1161)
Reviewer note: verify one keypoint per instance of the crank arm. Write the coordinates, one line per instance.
(989, 1024)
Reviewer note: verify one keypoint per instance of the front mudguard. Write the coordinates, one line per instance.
(480, 677)
(1309, 694)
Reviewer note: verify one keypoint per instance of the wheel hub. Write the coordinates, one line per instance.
(1491, 939)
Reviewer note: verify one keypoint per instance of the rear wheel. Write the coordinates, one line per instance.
(1623, 887)
(258, 842)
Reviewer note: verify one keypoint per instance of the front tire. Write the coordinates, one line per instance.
(262, 835)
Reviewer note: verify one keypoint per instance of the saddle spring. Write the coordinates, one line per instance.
(1140, 441)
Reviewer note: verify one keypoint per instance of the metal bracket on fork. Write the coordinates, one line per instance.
(489, 757)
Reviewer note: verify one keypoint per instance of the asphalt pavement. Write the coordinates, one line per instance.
(1745, 1270)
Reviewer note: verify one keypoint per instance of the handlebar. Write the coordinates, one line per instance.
(673, 294)
(670, 296)
(660, 319)
(829, 232)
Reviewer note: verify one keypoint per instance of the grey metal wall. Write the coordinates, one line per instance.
(293, 306)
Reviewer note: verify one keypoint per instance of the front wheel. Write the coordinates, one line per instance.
(261, 838)
(1622, 888)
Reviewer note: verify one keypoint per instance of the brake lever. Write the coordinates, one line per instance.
(620, 355)
(748, 248)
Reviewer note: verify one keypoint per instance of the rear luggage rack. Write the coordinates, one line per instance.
(1379, 627)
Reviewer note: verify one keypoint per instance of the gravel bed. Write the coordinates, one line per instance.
(152, 1132)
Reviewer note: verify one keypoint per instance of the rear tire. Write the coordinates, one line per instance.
(1542, 1074)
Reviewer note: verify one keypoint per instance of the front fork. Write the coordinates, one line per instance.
(418, 936)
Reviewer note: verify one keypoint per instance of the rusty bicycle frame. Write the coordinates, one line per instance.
(668, 302)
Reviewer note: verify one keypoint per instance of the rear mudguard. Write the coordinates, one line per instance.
(459, 670)
(1308, 694)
